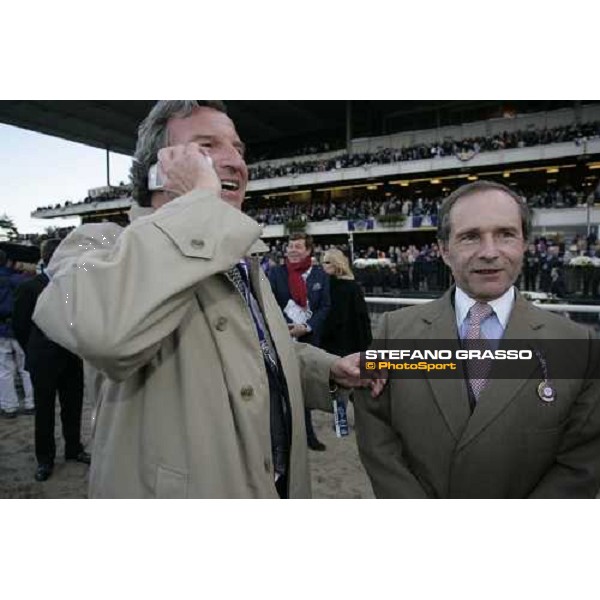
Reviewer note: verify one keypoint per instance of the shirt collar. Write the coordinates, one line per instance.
(502, 306)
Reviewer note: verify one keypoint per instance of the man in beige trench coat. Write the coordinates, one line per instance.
(202, 390)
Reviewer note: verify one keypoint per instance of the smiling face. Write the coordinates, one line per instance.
(485, 248)
(215, 131)
(297, 251)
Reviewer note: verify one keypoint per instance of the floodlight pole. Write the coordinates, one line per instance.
(107, 166)
(349, 126)
(589, 201)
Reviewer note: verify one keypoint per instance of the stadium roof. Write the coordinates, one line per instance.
(263, 124)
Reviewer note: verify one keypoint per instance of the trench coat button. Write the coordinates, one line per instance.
(247, 392)
(267, 465)
(221, 324)
(198, 244)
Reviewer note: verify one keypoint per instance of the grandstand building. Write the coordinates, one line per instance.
(551, 157)
(368, 177)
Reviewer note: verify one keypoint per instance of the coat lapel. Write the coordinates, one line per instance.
(256, 274)
(499, 393)
(450, 394)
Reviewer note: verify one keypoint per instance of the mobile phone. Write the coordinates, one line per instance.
(155, 180)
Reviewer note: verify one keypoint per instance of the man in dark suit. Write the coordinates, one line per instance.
(53, 370)
(302, 292)
(480, 437)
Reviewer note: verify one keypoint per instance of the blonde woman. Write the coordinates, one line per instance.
(347, 327)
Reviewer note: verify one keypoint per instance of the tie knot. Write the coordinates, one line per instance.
(480, 311)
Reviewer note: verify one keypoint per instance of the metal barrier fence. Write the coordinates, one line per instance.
(586, 314)
(435, 276)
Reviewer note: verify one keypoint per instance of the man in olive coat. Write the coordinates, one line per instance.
(481, 437)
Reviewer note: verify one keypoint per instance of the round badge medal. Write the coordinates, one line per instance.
(546, 392)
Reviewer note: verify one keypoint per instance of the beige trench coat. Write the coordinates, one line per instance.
(183, 401)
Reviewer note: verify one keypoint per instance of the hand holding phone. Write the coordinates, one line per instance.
(181, 169)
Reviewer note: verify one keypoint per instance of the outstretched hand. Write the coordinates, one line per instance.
(346, 372)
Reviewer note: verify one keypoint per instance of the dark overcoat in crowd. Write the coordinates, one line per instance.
(347, 328)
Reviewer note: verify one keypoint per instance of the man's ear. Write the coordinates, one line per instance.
(444, 251)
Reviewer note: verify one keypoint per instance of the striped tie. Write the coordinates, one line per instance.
(238, 277)
(477, 370)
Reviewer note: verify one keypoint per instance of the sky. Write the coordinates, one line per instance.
(40, 170)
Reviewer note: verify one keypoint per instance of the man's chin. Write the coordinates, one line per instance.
(232, 199)
(489, 292)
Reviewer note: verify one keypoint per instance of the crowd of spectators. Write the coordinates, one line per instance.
(562, 267)
(562, 197)
(111, 193)
(463, 149)
(36, 239)
(552, 267)
(315, 147)
(549, 266)
(372, 207)
(357, 209)
(404, 269)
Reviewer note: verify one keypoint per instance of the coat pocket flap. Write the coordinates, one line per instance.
(193, 246)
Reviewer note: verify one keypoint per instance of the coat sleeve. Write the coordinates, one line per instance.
(576, 470)
(115, 294)
(379, 446)
(315, 366)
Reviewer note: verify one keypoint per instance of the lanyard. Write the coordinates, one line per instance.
(255, 312)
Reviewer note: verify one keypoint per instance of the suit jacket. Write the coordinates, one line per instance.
(317, 287)
(183, 404)
(420, 439)
(41, 353)
(9, 282)
(26, 296)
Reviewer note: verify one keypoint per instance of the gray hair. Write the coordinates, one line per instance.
(152, 136)
(482, 185)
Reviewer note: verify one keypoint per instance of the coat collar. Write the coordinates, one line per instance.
(136, 211)
(258, 247)
(451, 395)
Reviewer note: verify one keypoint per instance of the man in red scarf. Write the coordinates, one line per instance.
(302, 292)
